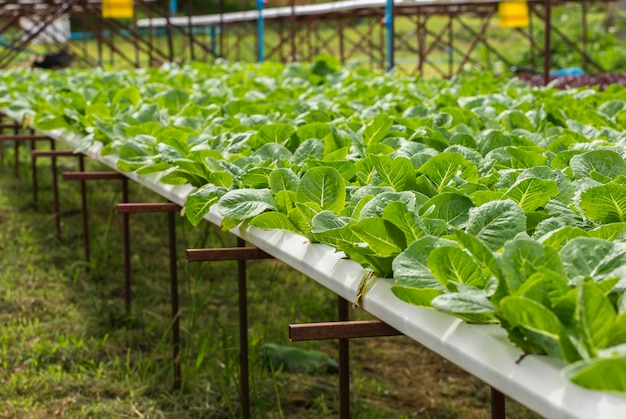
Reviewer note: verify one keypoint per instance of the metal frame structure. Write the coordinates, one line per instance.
(427, 37)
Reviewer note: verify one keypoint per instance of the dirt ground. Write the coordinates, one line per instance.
(400, 375)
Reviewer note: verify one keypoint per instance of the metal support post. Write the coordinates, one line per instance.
(35, 154)
(18, 138)
(170, 209)
(498, 404)
(343, 330)
(241, 254)
(83, 176)
(343, 314)
(340, 330)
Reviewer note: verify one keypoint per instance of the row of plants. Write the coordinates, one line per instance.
(481, 196)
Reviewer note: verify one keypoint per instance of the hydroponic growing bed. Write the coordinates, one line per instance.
(481, 197)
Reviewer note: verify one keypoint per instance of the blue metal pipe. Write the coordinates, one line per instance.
(260, 30)
(173, 8)
(389, 24)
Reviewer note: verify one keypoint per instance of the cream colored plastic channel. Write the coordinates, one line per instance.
(299, 10)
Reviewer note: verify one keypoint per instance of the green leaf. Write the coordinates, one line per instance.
(273, 151)
(376, 206)
(384, 238)
(605, 203)
(130, 95)
(483, 197)
(283, 180)
(532, 316)
(464, 303)
(242, 204)
(444, 167)
(174, 100)
(273, 133)
(597, 258)
(521, 258)
(515, 119)
(274, 221)
(346, 168)
(617, 334)
(532, 193)
(327, 220)
(410, 268)
(397, 173)
(51, 122)
(311, 148)
(480, 252)
(558, 237)
(599, 374)
(451, 265)
(285, 201)
(398, 214)
(302, 216)
(595, 316)
(381, 266)
(496, 222)
(525, 157)
(322, 186)
(317, 130)
(424, 186)
(328, 228)
(451, 207)
(610, 232)
(612, 107)
(200, 202)
(377, 129)
(417, 296)
(221, 178)
(605, 162)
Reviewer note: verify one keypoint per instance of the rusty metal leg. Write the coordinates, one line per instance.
(243, 333)
(16, 149)
(35, 154)
(171, 209)
(343, 330)
(126, 241)
(55, 192)
(174, 300)
(340, 330)
(240, 254)
(83, 201)
(1, 155)
(83, 176)
(344, 362)
(33, 168)
(498, 404)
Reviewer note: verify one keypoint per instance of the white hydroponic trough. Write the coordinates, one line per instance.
(298, 10)
(482, 350)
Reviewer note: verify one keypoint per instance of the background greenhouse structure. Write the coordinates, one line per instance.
(285, 208)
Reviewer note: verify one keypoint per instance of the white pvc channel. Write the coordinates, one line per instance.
(482, 350)
(300, 10)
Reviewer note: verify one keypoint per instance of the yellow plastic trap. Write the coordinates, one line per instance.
(513, 14)
(117, 8)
